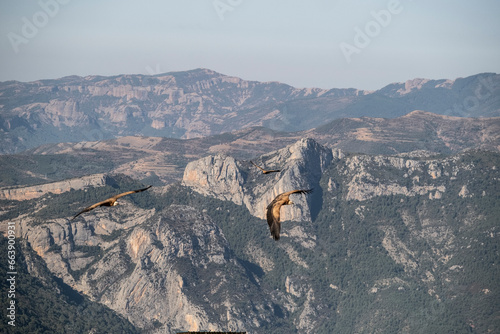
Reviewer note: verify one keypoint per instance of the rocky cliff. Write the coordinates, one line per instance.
(301, 166)
(164, 271)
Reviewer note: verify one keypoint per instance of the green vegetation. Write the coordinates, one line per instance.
(439, 277)
(21, 169)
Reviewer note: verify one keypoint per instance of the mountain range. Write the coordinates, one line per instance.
(201, 102)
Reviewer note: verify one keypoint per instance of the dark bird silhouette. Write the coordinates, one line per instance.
(112, 201)
(264, 171)
(273, 210)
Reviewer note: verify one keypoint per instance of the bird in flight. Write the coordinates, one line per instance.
(273, 211)
(264, 171)
(112, 201)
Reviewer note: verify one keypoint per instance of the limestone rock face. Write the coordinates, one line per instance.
(301, 165)
(139, 276)
(422, 177)
(218, 176)
(144, 267)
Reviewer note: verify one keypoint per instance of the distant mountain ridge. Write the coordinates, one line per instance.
(201, 102)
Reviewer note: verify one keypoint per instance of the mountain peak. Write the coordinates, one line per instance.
(411, 85)
(301, 163)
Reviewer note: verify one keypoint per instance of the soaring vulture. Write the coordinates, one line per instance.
(266, 171)
(112, 201)
(273, 211)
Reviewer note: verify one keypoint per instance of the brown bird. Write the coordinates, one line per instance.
(273, 211)
(264, 171)
(112, 201)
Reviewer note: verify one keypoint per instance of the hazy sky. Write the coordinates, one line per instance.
(365, 44)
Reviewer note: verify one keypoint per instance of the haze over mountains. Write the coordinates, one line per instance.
(201, 102)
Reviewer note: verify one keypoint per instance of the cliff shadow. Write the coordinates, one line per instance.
(251, 270)
(316, 201)
(66, 290)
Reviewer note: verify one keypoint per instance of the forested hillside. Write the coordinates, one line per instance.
(386, 244)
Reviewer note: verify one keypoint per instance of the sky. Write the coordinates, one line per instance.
(319, 43)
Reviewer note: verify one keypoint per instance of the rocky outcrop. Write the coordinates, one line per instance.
(301, 165)
(424, 177)
(25, 193)
(217, 176)
(364, 185)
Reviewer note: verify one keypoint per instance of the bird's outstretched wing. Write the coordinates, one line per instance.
(265, 171)
(130, 192)
(273, 211)
(253, 163)
(93, 206)
(109, 201)
(298, 191)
